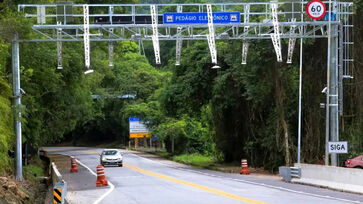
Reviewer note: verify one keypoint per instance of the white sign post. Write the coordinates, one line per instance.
(338, 147)
(316, 9)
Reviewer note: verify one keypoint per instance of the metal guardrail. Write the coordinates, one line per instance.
(288, 173)
(295, 172)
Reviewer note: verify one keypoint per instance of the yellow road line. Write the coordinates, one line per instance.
(179, 181)
(204, 188)
(86, 151)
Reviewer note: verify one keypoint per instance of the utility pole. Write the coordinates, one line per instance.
(17, 103)
(334, 112)
(332, 94)
(327, 105)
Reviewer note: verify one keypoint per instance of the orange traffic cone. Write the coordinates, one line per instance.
(101, 178)
(244, 167)
(74, 167)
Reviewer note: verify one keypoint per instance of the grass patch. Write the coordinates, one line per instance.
(35, 169)
(196, 160)
(163, 154)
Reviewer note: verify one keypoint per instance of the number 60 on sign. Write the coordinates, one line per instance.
(316, 9)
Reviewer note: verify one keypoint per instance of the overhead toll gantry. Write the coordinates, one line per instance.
(117, 22)
(275, 21)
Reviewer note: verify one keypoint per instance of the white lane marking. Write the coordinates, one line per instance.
(277, 187)
(251, 182)
(112, 187)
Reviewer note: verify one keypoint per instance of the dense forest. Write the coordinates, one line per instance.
(237, 111)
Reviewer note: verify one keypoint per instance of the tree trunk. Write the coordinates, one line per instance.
(280, 107)
(286, 137)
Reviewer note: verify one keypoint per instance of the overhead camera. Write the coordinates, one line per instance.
(324, 90)
(22, 91)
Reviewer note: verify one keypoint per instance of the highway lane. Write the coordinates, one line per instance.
(142, 180)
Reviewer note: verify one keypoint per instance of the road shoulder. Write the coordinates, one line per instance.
(270, 181)
(81, 185)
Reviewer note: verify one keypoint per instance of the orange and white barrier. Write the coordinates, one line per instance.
(74, 167)
(101, 177)
(244, 167)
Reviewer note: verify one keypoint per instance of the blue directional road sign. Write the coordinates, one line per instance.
(201, 18)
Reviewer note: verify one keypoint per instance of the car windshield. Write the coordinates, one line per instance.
(110, 152)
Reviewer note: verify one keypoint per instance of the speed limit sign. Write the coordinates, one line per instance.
(316, 9)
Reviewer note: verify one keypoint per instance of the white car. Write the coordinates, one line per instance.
(111, 157)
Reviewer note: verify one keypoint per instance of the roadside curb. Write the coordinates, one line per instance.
(325, 184)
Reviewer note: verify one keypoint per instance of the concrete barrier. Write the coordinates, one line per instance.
(338, 178)
(58, 183)
(56, 176)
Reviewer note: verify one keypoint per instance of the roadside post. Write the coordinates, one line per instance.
(60, 192)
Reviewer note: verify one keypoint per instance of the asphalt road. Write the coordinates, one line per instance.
(147, 181)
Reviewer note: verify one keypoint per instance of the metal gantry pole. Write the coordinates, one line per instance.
(17, 103)
(300, 101)
(300, 88)
(155, 37)
(59, 47)
(334, 113)
(86, 36)
(275, 37)
(292, 42)
(110, 50)
(179, 43)
(245, 43)
(327, 105)
(336, 78)
(211, 36)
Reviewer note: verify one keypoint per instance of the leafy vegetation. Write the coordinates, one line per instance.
(6, 119)
(197, 160)
(35, 170)
(199, 113)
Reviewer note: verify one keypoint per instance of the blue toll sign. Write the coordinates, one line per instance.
(201, 18)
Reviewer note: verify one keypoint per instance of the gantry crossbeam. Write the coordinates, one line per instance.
(117, 22)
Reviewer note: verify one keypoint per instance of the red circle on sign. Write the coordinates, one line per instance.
(320, 15)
